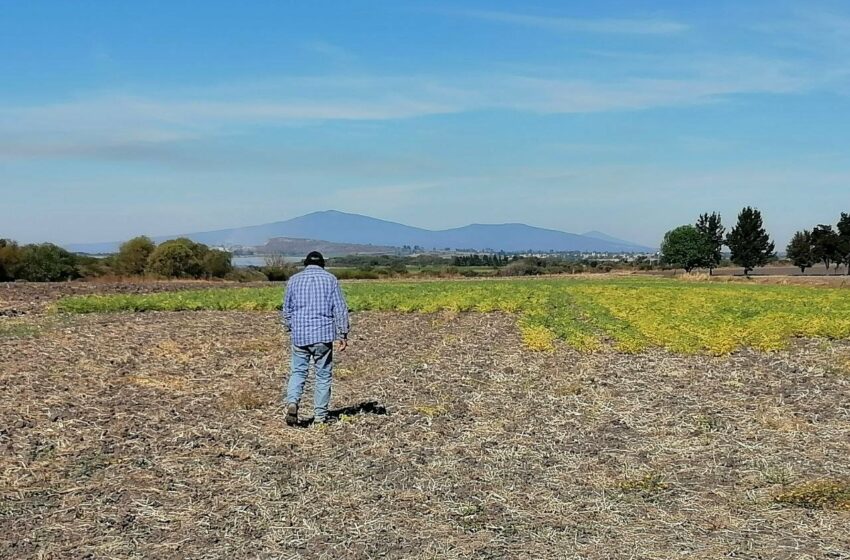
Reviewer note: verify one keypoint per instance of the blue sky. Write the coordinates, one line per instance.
(120, 118)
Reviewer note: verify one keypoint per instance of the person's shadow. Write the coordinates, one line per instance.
(367, 407)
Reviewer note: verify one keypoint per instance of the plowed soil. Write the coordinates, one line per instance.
(161, 435)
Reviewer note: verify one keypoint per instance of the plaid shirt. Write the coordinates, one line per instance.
(314, 309)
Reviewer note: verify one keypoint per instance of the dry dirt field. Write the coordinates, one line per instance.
(816, 276)
(160, 435)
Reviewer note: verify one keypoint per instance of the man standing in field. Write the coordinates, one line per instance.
(315, 313)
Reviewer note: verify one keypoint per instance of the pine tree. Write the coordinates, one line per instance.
(801, 250)
(749, 242)
(711, 228)
(844, 239)
(826, 245)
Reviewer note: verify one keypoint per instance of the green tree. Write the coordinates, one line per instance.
(198, 249)
(46, 263)
(749, 242)
(801, 250)
(827, 245)
(684, 247)
(175, 259)
(217, 264)
(10, 259)
(844, 239)
(132, 258)
(712, 230)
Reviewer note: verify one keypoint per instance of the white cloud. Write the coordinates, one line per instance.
(564, 24)
(329, 51)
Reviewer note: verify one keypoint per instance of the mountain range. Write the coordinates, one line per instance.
(341, 227)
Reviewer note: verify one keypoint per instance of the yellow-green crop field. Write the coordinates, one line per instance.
(628, 314)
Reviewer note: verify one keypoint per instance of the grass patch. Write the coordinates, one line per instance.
(817, 494)
(648, 484)
(246, 400)
(344, 373)
(16, 329)
(431, 411)
(633, 313)
(777, 474)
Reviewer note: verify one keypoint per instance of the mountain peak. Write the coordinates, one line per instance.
(594, 234)
(342, 227)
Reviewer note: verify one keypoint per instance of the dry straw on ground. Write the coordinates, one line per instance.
(159, 435)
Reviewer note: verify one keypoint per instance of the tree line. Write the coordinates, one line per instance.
(700, 245)
(177, 258)
(822, 244)
(497, 260)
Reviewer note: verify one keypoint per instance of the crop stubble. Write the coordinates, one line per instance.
(159, 435)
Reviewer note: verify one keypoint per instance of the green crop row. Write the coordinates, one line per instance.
(633, 314)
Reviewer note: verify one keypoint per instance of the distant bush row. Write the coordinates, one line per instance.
(184, 258)
(40, 263)
(179, 258)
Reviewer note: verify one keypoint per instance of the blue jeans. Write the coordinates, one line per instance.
(322, 355)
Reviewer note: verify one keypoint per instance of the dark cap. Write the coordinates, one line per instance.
(316, 258)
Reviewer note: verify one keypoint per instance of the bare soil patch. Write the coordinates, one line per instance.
(782, 275)
(160, 435)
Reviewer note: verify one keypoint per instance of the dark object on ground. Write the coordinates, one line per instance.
(11, 313)
(368, 407)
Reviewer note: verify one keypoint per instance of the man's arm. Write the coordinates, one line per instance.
(286, 310)
(340, 312)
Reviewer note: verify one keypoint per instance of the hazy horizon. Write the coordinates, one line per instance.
(239, 226)
(121, 119)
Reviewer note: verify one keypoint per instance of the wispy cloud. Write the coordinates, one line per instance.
(329, 51)
(116, 125)
(578, 25)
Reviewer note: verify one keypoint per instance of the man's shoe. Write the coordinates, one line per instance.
(292, 414)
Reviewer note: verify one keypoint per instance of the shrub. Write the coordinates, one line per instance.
(93, 267)
(277, 269)
(245, 275)
(217, 264)
(10, 259)
(132, 258)
(46, 263)
(183, 258)
(355, 274)
(524, 267)
(175, 259)
(397, 268)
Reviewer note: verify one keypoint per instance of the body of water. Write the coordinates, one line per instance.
(259, 261)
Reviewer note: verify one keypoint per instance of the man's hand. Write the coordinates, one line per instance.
(343, 344)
